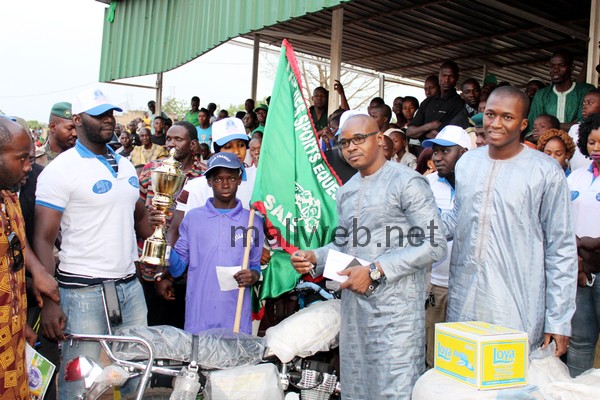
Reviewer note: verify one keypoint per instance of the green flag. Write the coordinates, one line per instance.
(295, 188)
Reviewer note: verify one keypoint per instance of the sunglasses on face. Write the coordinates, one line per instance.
(357, 139)
(16, 251)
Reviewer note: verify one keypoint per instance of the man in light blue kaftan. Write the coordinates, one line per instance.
(382, 336)
(514, 260)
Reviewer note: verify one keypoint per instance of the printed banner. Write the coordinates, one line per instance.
(295, 187)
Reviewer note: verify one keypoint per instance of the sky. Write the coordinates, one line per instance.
(56, 47)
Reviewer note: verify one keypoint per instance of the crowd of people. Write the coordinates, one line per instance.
(499, 183)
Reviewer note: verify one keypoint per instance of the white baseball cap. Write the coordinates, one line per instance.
(451, 135)
(92, 102)
(228, 129)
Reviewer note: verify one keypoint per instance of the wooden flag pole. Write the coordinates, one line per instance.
(240, 302)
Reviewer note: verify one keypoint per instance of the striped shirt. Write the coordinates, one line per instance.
(147, 193)
(111, 161)
(146, 190)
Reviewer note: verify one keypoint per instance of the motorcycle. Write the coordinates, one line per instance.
(218, 363)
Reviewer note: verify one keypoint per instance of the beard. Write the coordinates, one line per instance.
(13, 187)
(95, 134)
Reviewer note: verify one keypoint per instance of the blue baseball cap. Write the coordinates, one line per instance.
(225, 160)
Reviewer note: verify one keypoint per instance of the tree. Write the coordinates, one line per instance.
(359, 88)
(175, 108)
(232, 109)
(33, 124)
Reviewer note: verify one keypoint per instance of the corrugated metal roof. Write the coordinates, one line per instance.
(151, 36)
(406, 38)
(410, 38)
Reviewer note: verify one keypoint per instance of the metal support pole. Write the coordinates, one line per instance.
(381, 85)
(255, 54)
(335, 69)
(159, 89)
(593, 51)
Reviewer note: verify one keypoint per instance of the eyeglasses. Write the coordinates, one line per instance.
(357, 139)
(16, 250)
(219, 180)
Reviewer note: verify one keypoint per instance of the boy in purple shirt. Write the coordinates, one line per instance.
(214, 236)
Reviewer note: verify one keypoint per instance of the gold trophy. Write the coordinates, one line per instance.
(167, 181)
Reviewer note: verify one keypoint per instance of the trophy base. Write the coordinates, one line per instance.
(156, 252)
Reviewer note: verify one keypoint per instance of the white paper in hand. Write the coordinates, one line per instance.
(338, 261)
(225, 276)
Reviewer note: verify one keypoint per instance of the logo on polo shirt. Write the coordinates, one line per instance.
(598, 197)
(102, 186)
(133, 181)
(575, 194)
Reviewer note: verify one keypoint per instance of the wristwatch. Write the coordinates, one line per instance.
(374, 273)
(375, 276)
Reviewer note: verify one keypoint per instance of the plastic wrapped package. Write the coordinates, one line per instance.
(585, 387)
(548, 379)
(432, 385)
(167, 342)
(218, 348)
(544, 368)
(256, 382)
(309, 331)
(552, 377)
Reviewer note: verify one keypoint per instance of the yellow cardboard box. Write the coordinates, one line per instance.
(482, 355)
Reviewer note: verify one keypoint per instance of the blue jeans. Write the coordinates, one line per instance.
(85, 312)
(585, 327)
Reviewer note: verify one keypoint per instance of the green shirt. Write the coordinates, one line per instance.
(319, 123)
(568, 109)
(192, 117)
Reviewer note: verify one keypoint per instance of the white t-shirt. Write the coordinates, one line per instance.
(585, 197)
(578, 160)
(199, 191)
(444, 198)
(98, 237)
